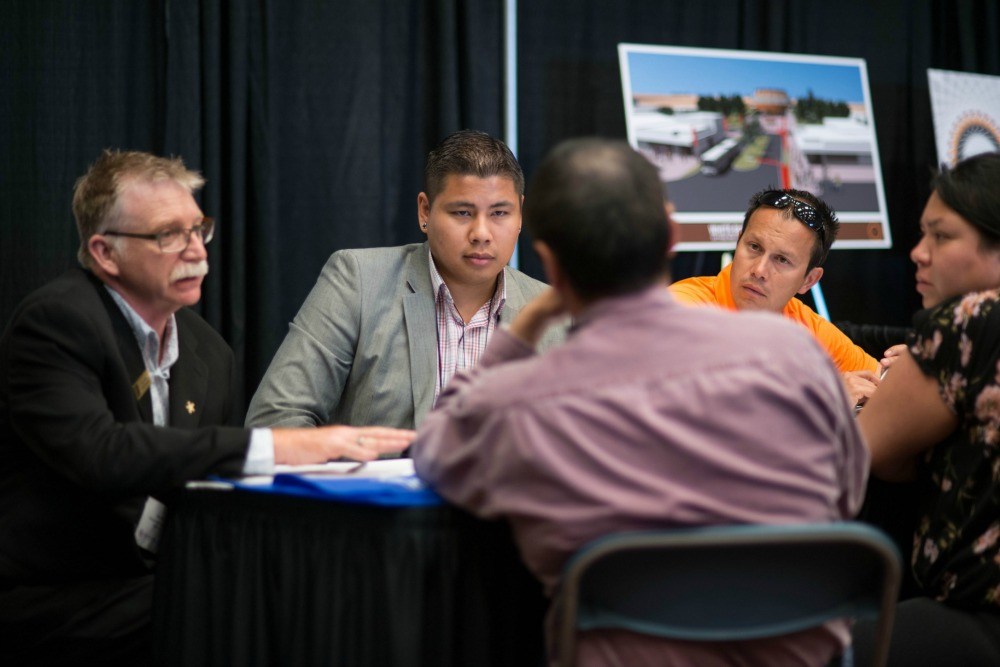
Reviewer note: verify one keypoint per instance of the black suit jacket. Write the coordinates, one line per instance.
(78, 452)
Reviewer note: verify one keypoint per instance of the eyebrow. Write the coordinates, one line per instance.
(174, 222)
(166, 225)
(777, 251)
(500, 204)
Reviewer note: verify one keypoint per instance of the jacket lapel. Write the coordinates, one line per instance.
(188, 383)
(130, 353)
(418, 315)
(515, 298)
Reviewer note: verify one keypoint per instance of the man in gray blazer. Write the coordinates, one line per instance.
(384, 329)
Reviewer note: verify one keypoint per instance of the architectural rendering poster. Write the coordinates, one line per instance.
(721, 125)
(966, 110)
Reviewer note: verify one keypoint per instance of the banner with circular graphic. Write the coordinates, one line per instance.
(966, 110)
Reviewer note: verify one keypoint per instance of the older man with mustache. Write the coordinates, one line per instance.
(112, 392)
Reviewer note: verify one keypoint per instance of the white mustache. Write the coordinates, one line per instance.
(189, 270)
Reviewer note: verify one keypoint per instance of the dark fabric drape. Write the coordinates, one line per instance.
(262, 579)
(311, 119)
(72, 80)
(570, 86)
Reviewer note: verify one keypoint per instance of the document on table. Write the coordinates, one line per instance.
(378, 469)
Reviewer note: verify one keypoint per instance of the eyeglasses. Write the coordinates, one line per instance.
(175, 240)
(803, 212)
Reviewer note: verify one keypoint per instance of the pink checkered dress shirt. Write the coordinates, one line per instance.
(459, 344)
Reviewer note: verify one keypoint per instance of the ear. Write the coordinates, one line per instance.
(103, 254)
(553, 270)
(423, 211)
(811, 279)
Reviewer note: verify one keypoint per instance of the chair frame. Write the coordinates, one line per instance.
(808, 539)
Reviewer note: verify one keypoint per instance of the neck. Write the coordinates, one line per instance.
(156, 320)
(158, 323)
(468, 300)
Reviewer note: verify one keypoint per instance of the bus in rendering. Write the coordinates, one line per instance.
(717, 159)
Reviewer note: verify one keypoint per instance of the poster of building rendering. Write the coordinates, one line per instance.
(966, 110)
(721, 125)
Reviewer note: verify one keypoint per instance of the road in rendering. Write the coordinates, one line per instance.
(731, 190)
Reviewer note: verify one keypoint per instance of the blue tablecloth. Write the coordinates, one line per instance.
(402, 491)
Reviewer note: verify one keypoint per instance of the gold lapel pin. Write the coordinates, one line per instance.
(189, 406)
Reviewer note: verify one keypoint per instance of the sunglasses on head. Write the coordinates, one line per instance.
(803, 212)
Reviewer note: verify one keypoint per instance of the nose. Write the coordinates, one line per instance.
(195, 250)
(759, 268)
(480, 231)
(919, 253)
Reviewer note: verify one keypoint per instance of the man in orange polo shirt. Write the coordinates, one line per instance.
(785, 238)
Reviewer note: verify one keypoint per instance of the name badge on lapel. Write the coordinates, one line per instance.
(141, 385)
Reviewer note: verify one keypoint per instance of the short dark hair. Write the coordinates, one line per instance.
(470, 153)
(600, 208)
(970, 189)
(827, 217)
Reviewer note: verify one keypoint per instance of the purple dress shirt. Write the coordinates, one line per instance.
(651, 415)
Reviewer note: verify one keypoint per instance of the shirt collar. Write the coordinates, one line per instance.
(149, 342)
(614, 306)
(443, 295)
(724, 288)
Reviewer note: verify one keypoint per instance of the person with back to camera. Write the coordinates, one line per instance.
(650, 414)
(936, 420)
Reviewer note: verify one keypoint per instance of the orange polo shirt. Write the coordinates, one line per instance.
(716, 290)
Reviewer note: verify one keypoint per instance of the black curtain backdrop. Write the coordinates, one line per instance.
(310, 119)
(570, 85)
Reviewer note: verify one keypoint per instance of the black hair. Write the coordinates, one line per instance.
(972, 190)
(827, 217)
(599, 206)
(470, 153)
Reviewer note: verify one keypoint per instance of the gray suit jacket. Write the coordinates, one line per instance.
(362, 350)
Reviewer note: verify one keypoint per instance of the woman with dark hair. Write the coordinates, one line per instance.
(936, 419)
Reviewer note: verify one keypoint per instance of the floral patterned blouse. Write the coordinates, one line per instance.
(956, 547)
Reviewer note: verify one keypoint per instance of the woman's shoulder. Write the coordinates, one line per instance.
(958, 342)
(966, 308)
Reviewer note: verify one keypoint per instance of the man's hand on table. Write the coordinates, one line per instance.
(860, 386)
(298, 446)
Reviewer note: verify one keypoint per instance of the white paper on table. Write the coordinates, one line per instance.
(378, 469)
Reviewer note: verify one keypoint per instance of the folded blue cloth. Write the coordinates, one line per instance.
(406, 491)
